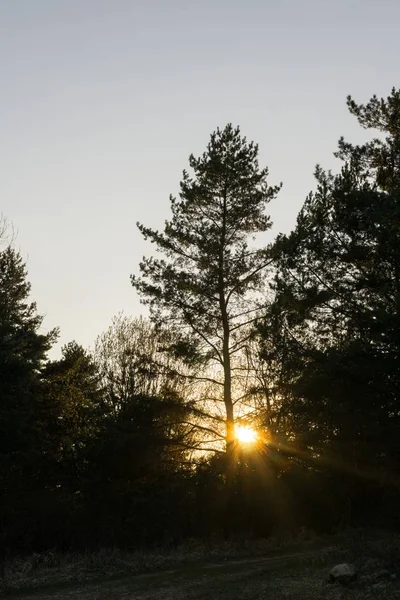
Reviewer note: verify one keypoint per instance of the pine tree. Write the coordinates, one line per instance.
(208, 284)
(73, 404)
(23, 350)
(338, 299)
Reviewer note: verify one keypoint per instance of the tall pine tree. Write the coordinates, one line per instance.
(208, 282)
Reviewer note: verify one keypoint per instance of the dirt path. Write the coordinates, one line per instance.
(229, 579)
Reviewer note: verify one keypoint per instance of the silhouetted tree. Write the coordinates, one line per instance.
(207, 285)
(131, 362)
(336, 317)
(73, 406)
(23, 350)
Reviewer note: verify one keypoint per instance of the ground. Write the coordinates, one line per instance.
(300, 575)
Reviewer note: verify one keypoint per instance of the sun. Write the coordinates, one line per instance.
(245, 435)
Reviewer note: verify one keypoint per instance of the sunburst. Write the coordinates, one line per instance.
(245, 434)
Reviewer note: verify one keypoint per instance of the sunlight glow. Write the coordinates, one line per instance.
(246, 435)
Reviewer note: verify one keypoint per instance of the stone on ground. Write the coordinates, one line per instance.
(344, 574)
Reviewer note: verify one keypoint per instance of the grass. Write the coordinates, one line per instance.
(219, 571)
(53, 567)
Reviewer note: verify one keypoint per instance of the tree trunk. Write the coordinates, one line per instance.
(230, 419)
(230, 423)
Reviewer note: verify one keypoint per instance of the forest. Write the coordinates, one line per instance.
(258, 393)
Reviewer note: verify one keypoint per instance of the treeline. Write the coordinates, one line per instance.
(136, 442)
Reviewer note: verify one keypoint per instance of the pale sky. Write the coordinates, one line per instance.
(102, 101)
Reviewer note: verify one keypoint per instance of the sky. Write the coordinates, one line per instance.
(102, 101)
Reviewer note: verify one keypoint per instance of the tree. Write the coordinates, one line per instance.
(129, 358)
(73, 403)
(138, 472)
(133, 364)
(23, 351)
(208, 284)
(337, 305)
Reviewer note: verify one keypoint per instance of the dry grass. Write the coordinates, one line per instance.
(203, 571)
(52, 567)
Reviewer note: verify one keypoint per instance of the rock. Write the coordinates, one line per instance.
(343, 574)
